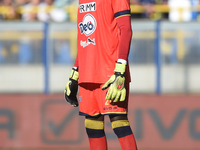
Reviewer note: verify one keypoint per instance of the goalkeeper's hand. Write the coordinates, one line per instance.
(71, 88)
(116, 91)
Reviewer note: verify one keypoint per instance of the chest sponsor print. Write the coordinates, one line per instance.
(88, 42)
(87, 7)
(88, 25)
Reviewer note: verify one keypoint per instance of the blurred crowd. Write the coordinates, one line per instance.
(58, 10)
(35, 10)
(173, 10)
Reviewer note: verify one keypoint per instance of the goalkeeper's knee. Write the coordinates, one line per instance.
(94, 129)
(121, 128)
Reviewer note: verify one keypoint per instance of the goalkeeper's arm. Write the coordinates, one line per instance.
(116, 83)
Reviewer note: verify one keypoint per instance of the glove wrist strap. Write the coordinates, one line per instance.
(74, 74)
(120, 67)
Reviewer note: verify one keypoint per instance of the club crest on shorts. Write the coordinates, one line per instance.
(80, 98)
(88, 25)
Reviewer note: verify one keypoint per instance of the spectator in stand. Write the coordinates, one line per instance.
(55, 14)
(196, 12)
(136, 15)
(30, 10)
(44, 11)
(11, 13)
(149, 6)
(1, 16)
(186, 13)
(22, 2)
(71, 7)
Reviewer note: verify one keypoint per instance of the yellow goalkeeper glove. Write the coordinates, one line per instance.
(116, 91)
(71, 88)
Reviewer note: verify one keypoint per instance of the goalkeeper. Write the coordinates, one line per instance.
(101, 70)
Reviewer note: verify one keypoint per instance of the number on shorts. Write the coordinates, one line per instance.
(107, 102)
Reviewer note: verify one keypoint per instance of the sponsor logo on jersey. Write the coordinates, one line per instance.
(88, 42)
(88, 25)
(87, 7)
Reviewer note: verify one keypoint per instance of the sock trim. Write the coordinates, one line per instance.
(92, 133)
(119, 123)
(123, 131)
(93, 124)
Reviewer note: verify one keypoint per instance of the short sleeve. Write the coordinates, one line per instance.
(121, 7)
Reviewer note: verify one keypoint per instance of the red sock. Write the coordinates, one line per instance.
(98, 143)
(128, 142)
(96, 134)
(124, 133)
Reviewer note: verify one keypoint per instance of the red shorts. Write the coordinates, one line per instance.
(92, 101)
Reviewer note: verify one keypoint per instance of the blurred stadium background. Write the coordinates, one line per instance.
(37, 50)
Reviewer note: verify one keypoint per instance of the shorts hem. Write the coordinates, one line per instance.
(84, 114)
(114, 113)
(107, 113)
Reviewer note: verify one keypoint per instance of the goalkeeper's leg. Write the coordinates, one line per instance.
(122, 129)
(95, 131)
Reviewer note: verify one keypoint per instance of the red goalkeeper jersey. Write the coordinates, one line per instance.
(98, 38)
